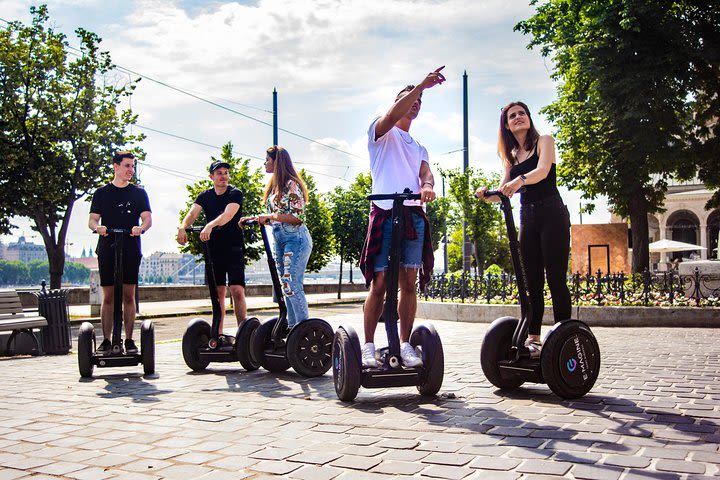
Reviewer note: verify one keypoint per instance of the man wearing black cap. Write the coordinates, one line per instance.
(222, 206)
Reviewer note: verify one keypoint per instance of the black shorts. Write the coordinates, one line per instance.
(106, 265)
(229, 267)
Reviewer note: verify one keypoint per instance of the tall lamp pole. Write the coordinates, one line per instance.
(466, 246)
(275, 119)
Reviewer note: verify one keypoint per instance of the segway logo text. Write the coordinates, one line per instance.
(581, 358)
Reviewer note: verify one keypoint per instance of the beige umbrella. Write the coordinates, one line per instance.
(666, 246)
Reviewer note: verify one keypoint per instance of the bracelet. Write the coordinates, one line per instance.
(523, 178)
(432, 185)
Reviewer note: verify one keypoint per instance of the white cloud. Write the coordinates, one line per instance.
(335, 64)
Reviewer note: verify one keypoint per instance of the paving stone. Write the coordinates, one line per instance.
(680, 466)
(317, 458)
(596, 472)
(312, 472)
(454, 459)
(392, 467)
(356, 462)
(626, 461)
(60, 468)
(544, 467)
(447, 472)
(494, 463)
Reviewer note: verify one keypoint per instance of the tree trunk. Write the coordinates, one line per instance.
(340, 276)
(639, 229)
(56, 263)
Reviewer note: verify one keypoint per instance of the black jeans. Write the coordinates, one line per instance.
(545, 247)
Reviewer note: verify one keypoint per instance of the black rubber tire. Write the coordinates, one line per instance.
(147, 346)
(431, 352)
(196, 336)
(262, 340)
(309, 347)
(347, 367)
(554, 363)
(495, 347)
(86, 349)
(243, 346)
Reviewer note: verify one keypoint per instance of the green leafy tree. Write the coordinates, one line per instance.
(485, 224)
(250, 182)
(350, 209)
(14, 272)
(319, 222)
(438, 213)
(60, 124)
(637, 99)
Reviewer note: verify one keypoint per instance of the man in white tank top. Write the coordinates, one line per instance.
(397, 162)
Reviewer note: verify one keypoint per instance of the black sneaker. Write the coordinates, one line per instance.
(130, 347)
(104, 347)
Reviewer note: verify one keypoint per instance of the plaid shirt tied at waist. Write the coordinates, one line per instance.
(373, 241)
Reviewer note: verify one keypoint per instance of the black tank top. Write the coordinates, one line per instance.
(537, 191)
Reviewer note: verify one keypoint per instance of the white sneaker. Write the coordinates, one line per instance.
(409, 357)
(535, 347)
(368, 355)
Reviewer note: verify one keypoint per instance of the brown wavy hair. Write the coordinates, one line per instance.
(284, 171)
(507, 144)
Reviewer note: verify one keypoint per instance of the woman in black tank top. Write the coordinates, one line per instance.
(529, 161)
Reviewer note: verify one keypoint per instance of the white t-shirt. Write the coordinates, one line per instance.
(395, 160)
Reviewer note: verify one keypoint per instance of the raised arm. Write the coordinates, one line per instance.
(401, 106)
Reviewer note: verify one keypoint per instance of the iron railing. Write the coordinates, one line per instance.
(641, 289)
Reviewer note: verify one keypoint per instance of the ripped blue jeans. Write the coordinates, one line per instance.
(293, 245)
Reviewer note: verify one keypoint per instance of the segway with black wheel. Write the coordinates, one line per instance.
(203, 343)
(88, 358)
(569, 361)
(348, 372)
(306, 347)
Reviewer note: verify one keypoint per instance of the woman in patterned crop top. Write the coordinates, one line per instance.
(285, 197)
(529, 161)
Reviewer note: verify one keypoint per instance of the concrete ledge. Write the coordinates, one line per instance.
(81, 295)
(688, 317)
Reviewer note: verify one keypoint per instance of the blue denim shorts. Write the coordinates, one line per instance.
(412, 250)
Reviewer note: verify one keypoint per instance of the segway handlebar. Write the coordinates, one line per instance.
(251, 223)
(499, 194)
(198, 229)
(407, 195)
(127, 231)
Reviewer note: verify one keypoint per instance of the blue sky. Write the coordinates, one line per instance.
(336, 65)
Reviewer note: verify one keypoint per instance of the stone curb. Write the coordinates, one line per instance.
(605, 316)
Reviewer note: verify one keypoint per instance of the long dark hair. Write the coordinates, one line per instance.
(507, 144)
(283, 172)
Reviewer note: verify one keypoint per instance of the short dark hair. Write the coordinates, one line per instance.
(118, 157)
(407, 89)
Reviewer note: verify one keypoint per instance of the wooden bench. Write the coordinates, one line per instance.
(14, 319)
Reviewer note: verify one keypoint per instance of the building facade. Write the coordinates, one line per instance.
(685, 220)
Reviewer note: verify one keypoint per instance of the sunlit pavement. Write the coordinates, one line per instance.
(654, 413)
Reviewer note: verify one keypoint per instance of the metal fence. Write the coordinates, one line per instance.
(641, 289)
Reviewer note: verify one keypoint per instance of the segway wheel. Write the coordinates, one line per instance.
(261, 342)
(570, 359)
(496, 347)
(196, 336)
(243, 346)
(430, 346)
(86, 347)
(309, 347)
(347, 364)
(147, 347)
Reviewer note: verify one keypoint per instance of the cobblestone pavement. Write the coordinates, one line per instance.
(654, 414)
